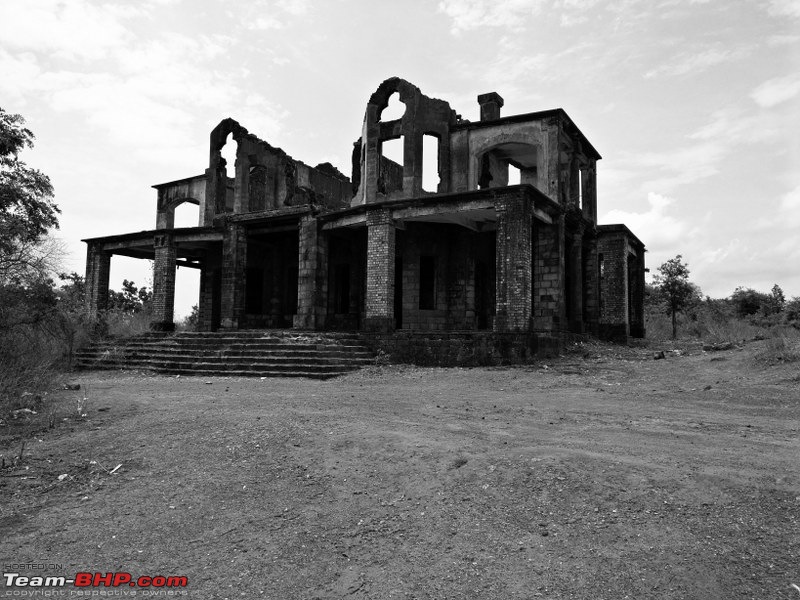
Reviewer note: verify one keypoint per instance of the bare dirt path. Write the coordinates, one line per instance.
(585, 477)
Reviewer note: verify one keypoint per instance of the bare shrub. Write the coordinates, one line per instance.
(27, 360)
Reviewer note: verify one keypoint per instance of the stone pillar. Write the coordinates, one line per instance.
(165, 214)
(98, 268)
(234, 276)
(214, 199)
(576, 277)
(312, 275)
(591, 289)
(589, 191)
(241, 186)
(412, 165)
(514, 263)
(380, 271)
(636, 294)
(164, 282)
(574, 183)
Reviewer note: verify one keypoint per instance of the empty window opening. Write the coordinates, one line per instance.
(187, 214)
(427, 282)
(430, 163)
(580, 189)
(187, 292)
(394, 110)
(485, 177)
(228, 153)
(390, 176)
(514, 175)
(393, 150)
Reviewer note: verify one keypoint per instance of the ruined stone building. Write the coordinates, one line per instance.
(286, 245)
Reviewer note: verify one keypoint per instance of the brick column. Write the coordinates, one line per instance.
(380, 271)
(98, 267)
(548, 286)
(164, 282)
(234, 274)
(312, 275)
(514, 264)
(614, 288)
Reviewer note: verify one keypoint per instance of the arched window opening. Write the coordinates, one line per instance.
(187, 214)
(511, 163)
(228, 153)
(430, 163)
(394, 110)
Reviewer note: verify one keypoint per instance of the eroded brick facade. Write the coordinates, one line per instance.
(507, 243)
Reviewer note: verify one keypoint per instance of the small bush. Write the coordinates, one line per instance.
(780, 348)
(124, 323)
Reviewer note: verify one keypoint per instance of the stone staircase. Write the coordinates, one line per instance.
(252, 353)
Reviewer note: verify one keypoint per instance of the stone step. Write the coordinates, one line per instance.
(245, 353)
(191, 358)
(243, 372)
(261, 347)
(223, 366)
(332, 351)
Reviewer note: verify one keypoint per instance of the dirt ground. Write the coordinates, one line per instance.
(604, 474)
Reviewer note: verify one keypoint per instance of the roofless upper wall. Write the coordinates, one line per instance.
(546, 148)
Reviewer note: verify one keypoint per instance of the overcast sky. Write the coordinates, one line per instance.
(693, 104)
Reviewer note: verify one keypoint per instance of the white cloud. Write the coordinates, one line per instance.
(474, 14)
(293, 7)
(265, 22)
(787, 216)
(152, 97)
(73, 30)
(733, 125)
(776, 91)
(680, 166)
(687, 63)
(658, 229)
(574, 12)
(782, 40)
(784, 8)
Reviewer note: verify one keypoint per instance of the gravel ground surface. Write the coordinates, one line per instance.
(604, 474)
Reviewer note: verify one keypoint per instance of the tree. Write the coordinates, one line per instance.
(675, 288)
(776, 301)
(28, 261)
(131, 299)
(27, 210)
